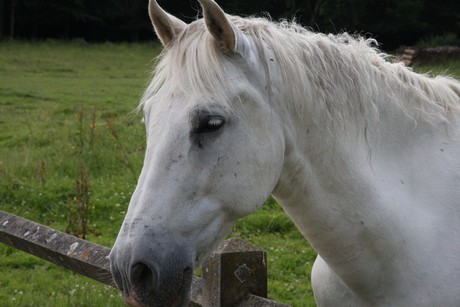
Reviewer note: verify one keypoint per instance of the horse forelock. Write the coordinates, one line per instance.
(194, 66)
(343, 78)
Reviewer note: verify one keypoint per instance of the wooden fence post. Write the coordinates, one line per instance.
(235, 269)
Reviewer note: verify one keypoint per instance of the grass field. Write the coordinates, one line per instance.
(70, 142)
(67, 116)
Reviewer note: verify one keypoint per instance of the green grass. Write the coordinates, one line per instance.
(45, 89)
(55, 100)
(449, 68)
(68, 106)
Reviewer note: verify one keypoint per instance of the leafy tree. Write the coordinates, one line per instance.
(392, 22)
(441, 18)
(2, 17)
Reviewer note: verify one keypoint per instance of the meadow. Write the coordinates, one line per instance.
(71, 148)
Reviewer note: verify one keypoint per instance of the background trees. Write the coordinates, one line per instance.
(392, 22)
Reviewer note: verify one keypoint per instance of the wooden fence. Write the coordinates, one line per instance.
(235, 274)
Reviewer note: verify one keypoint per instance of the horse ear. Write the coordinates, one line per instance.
(166, 26)
(219, 26)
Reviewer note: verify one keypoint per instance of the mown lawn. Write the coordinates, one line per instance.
(67, 117)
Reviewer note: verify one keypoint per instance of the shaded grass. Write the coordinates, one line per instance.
(44, 88)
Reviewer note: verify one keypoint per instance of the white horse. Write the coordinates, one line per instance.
(363, 155)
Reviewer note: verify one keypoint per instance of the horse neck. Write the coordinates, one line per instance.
(333, 185)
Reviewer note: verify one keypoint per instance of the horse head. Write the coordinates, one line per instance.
(214, 154)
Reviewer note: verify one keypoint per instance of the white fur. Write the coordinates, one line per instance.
(362, 154)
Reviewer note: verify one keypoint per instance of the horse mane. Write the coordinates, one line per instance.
(338, 77)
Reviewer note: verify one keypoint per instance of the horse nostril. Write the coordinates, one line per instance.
(143, 276)
(188, 270)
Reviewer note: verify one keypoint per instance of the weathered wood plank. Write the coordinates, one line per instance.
(91, 260)
(80, 256)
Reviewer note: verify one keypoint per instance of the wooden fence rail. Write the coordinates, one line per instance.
(235, 274)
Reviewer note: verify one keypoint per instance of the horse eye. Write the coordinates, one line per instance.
(207, 123)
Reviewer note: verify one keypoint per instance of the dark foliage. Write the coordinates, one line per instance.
(392, 22)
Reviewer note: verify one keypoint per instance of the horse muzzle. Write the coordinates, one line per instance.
(149, 278)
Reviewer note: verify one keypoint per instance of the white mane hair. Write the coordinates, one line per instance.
(338, 77)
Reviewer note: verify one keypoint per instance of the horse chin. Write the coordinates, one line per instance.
(181, 298)
(134, 301)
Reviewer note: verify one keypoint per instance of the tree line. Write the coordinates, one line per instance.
(392, 22)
